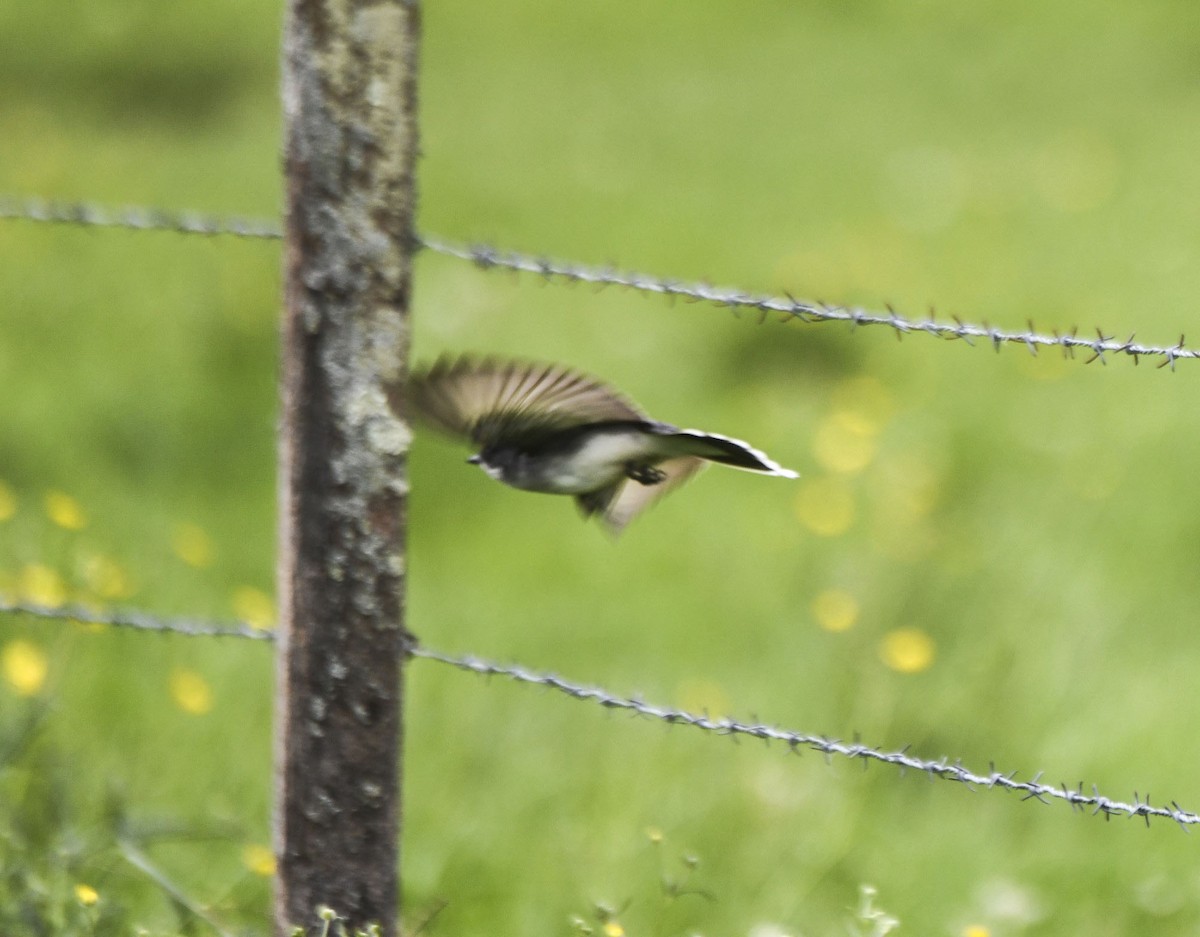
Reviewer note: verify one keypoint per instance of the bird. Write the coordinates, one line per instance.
(548, 428)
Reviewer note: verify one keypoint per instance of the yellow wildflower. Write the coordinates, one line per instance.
(825, 506)
(192, 545)
(835, 610)
(41, 585)
(107, 578)
(86, 894)
(258, 859)
(65, 511)
(25, 666)
(845, 441)
(191, 692)
(254, 607)
(908, 650)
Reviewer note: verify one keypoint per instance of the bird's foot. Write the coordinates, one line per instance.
(645, 474)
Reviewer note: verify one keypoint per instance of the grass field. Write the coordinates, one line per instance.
(989, 556)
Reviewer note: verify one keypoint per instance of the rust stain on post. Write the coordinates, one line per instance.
(349, 89)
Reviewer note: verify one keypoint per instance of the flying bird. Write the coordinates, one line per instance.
(547, 428)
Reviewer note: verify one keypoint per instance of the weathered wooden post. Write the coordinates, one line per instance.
(350, 103)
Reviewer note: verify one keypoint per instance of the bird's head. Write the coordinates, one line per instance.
(494, 460)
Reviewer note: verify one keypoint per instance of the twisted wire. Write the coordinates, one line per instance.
(938, 769)
(486, 257)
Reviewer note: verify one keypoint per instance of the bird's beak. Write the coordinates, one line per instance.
(475, 459)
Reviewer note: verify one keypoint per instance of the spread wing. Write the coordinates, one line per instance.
(488, 399)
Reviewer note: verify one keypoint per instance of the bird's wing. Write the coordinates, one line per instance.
(618, 504)
(487, 399)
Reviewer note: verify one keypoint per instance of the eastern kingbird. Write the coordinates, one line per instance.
(542, 427)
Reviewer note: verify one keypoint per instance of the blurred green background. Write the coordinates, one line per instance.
(989, 556)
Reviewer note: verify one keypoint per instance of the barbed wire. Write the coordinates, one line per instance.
(940, 769)
(937, 769)
(488, 258)
(137, 620)
(812, 312)
(88, 214)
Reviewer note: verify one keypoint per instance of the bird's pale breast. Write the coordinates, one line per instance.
(600, 459)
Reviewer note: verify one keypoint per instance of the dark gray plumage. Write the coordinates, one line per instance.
(546, 428)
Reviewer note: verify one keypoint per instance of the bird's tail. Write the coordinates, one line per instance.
(725, 451)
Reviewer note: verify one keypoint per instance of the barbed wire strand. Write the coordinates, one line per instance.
(136, 620)
(487, 258)
(939, 769)
(810, 311)
(88, 214)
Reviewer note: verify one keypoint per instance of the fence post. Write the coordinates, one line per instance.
(350, 139)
